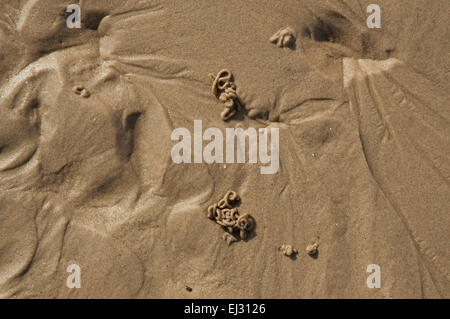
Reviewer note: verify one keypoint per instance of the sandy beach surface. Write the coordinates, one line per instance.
(357, 174)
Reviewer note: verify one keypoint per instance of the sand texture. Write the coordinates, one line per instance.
(87, 177)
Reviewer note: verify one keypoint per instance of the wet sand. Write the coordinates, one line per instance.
(87, 177)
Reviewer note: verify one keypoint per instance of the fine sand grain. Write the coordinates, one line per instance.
(87, 177)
